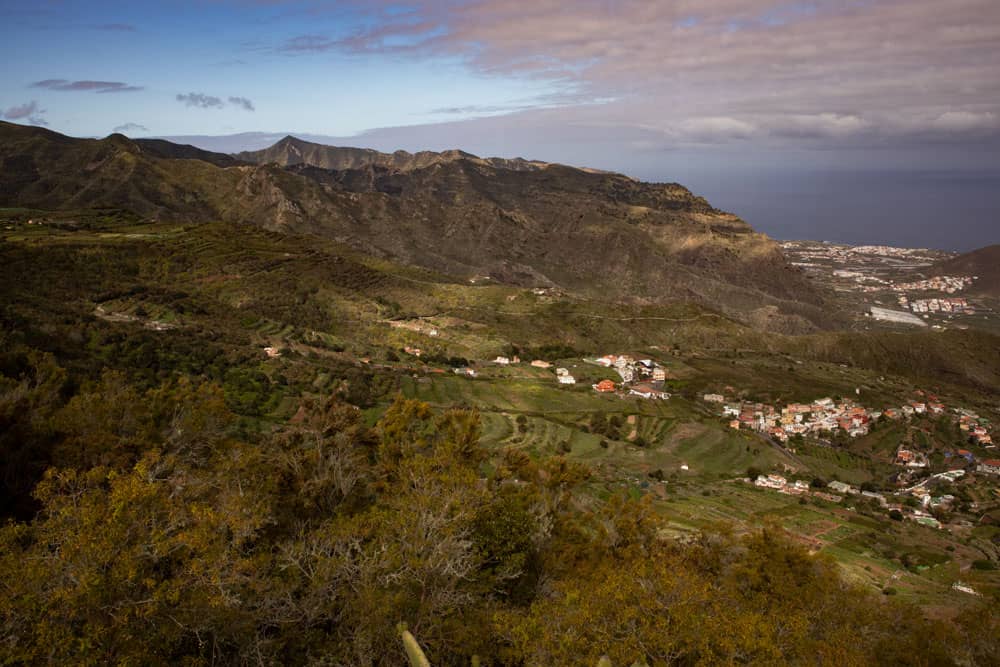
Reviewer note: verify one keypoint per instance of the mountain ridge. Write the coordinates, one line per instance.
(291, 151)
(606, 236)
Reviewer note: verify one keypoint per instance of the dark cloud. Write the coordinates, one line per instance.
(242, 102)
(131, 127)
(86, 86)
(201, 101)
(29, 111)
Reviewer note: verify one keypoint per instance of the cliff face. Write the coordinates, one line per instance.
(602, 235)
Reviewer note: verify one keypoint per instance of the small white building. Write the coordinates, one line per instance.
(771, 481)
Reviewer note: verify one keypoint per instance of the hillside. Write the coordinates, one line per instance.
(603, 235)
(984, 262)
(178, 323)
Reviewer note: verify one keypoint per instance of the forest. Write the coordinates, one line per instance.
(165, 534)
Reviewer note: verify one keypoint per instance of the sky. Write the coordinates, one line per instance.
(847, 120)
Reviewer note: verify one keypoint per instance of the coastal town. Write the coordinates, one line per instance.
(892, 286)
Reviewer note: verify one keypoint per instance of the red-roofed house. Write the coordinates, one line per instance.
(605, 386)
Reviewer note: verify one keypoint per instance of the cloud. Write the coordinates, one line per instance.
(86, 86)
(961, 121)
(29, 111)
(817, 126)
(131, 127)
(116, 27)
(201, 100)
(717, 128)
(242, 102)
(309, 44)
(822, 71)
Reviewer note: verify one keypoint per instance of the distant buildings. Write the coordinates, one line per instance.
(842, 488)
(563, 376)
(647, 390)
(989, 467)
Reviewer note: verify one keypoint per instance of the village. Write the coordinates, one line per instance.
(954, 305)
(643, 378)
(914, 496)
(825, 416)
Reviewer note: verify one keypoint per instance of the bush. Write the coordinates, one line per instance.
(983, 564)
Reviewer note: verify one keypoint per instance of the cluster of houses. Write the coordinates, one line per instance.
(946, 284)
(796, 488)
(975, 426)
(886, 251)
(826, 415)
(639, 377)
(951, 305)
(836, 491)
(823, 415)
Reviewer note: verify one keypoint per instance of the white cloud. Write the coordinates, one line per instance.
(962, 121)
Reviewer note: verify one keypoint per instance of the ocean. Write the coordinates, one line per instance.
(946, 210)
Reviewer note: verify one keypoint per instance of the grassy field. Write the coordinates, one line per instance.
(867, 547)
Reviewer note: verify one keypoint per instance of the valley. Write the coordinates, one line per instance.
(279, 319)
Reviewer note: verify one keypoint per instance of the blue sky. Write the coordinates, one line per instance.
(712, 93)
(223, 50)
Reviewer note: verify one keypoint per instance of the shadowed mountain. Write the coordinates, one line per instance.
(165, 149)
(984, 263)
(603, 235)
(292, 151)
